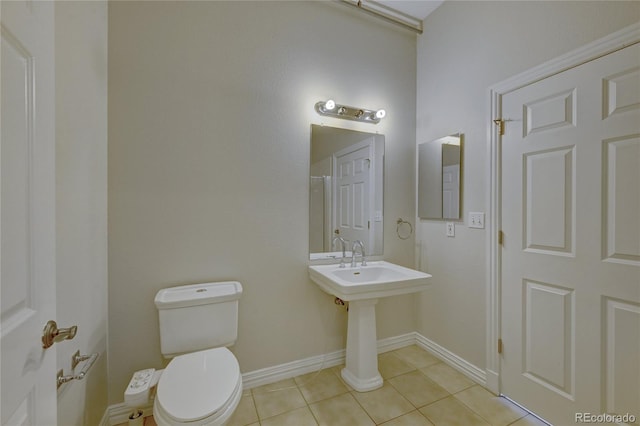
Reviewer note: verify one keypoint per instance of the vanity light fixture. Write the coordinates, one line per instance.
(331, 109)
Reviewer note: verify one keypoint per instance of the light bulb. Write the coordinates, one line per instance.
(329, 105)
(381, 113)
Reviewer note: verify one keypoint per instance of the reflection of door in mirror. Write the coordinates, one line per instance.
(450, 181)
(352, 186)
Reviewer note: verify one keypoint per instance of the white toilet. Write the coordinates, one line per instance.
(202, 384)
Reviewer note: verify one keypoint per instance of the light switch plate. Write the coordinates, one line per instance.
(451, 229)
(476, 220)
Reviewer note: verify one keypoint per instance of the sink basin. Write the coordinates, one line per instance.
(377, 279)
(362, 286)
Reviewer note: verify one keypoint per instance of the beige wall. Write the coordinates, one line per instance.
(210, 106)
(466, 47)
(81, 202)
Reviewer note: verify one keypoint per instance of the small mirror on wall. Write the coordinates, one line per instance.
(440, 178)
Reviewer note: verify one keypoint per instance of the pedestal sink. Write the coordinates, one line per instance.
(362, 286)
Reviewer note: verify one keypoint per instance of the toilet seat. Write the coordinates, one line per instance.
(199, 388)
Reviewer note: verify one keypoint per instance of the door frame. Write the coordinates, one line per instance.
(601, 47)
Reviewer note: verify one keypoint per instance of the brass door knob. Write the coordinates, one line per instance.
(52, 334)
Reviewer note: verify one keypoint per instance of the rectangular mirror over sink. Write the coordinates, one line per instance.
(346, 183)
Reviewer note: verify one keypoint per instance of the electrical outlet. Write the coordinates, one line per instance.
(451, 229)
(476, 220)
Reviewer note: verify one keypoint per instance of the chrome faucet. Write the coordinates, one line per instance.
(343, 243)
(357, 243)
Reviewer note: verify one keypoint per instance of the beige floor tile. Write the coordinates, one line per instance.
(246, 412)
(298, 417)
(383, 404)
(318, 386)
(413, 378)
(414, 418)
(269, 404)
(416, 356)
(337, 370)
(529, 420)
(447, 377)
(418, 389)
(495, 410)
(150, 421)
(390, 365)
(451, 412)
(342, 410)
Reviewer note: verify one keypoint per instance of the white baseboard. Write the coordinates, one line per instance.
(119, 413)
(295, 368)
(474, 373)
(397, 342)
(288, 370)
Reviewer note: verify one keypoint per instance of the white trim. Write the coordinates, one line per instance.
(594, 50)
(119, 413)
(474, 373)
(392, 343)
(288, 370)
(604, 46)
(307, 365)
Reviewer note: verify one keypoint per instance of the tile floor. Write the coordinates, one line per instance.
(419, 390)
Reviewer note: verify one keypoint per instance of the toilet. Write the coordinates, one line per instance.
(202, 384)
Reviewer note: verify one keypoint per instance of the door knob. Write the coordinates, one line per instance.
(52, 334)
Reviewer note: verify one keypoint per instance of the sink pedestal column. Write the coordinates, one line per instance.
(361, 370)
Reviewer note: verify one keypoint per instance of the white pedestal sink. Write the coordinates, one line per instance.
(362, 286)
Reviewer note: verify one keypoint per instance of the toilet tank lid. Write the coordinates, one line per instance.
(198, 294)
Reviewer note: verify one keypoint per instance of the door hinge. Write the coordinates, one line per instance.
(500, 237)
(368, 224)
(500, 346)
(500, 123)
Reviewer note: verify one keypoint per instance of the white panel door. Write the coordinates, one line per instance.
(352, 192)
(27, 231)
(571, 254)
(451, 191)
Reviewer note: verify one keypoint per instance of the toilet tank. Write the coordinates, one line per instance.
(197, 317)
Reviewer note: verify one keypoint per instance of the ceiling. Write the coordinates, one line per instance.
(418, 9)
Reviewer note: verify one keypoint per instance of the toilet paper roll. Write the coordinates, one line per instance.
(136, 419)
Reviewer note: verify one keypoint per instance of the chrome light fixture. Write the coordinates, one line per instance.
(331, 109)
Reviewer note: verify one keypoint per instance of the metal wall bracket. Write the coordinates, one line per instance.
(76, 359)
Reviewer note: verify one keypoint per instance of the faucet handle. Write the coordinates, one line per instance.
(343, 243)
(361, 244)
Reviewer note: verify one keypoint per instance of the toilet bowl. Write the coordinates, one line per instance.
(199, 388)
(202, 384)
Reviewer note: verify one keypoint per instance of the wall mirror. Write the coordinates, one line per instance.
(440, 178)
(346, 183)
